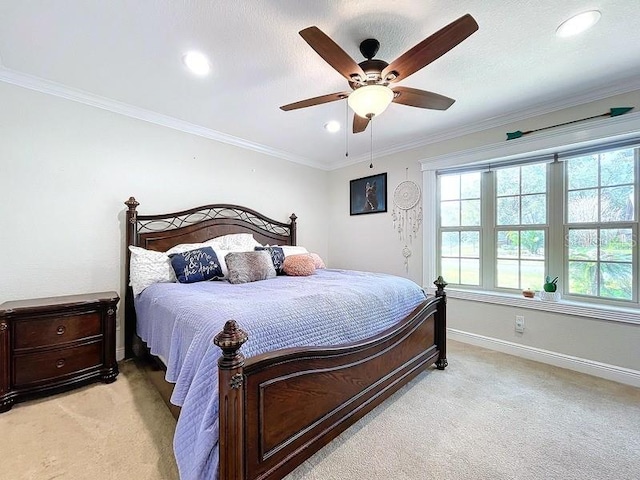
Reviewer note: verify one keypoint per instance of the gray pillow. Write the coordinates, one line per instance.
(247, 267)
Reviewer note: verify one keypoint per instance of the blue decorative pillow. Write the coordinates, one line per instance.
(196, 265)
(277, 257)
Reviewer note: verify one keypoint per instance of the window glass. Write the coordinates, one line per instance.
(508, 211)
(470, 185)
(521, 195)
(583, 206)
(460, 257)
(534, 178)
(520, 258)
(460, 212)
(600, 187)
(582, 172)
(508, 181)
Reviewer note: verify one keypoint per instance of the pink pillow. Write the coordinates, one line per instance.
(301, 265)
(317, 260)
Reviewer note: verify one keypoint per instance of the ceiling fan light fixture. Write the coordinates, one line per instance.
(578, 23)
(370, 100)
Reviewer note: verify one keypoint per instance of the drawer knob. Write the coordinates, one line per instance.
(61, 329)
(60, 363)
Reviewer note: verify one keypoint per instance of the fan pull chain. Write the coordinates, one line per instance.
(346, 128)
(371, 144)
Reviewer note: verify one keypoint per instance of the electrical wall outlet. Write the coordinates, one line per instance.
(519, 323)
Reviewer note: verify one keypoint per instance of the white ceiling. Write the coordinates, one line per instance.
(125, 55)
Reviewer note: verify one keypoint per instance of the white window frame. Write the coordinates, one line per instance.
(560, 139)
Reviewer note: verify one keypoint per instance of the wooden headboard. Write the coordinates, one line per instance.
(162, 231)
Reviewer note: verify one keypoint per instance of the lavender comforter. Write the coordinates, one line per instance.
(179, 321)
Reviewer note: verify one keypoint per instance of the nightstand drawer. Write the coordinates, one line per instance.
(36, 367)
(40, 332)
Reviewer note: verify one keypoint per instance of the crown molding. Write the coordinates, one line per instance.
(48, 87)
(564, 138)
(543, 108)
(59, 90)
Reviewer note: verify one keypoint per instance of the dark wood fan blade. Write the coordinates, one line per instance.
(421, 98)
(332, 53)
(310, 102)
(431, 48)
(360, 124)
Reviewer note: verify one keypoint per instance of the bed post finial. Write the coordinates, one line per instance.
(293, 219)
(440, 285)
(132, 204)
(230, 339)
(441, 323)
(231, 407)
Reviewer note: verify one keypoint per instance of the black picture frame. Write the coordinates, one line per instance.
(368, 194)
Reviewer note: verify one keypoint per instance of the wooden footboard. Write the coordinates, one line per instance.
(279, 408)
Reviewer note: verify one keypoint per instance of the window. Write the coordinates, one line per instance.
(460, 233)
(506, 228)
(521, 204)
(600, 227)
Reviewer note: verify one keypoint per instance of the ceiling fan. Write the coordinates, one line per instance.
(369, 80)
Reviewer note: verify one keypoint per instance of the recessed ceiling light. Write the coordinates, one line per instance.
(197, 63)
(332, 126)
(578, 23)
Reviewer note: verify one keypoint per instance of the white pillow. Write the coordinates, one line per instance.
(223, 264)
(234, 242)
(185, 247)
(291, 250)
(148, 267)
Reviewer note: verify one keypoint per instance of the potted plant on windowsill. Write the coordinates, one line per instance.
(550, 287)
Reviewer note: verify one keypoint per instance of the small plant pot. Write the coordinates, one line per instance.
(549, 296)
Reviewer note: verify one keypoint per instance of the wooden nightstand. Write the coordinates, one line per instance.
(48, 345)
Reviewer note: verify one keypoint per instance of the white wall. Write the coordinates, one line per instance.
(66, 169)
(602, 341)
(367, 242)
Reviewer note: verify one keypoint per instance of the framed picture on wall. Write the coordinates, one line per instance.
(368, 194)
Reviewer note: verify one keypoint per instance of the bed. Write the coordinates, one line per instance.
(261, 431)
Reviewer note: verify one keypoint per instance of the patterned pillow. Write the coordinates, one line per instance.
(301, 265)
(196, 265)
(148, 267)
(277, 257)
(245, 267)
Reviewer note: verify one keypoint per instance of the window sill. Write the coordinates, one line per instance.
(609, 313)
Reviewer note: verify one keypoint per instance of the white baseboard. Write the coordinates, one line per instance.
(627, 376)
(119, 353)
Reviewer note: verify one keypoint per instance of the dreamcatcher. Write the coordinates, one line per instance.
(407, 215)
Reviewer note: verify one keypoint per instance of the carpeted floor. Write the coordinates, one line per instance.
(488, 416)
